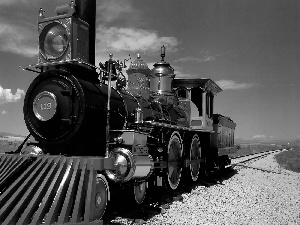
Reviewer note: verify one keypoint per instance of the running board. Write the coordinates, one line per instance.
(49, 189)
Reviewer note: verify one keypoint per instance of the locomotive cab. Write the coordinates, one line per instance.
(196, 96)
(197, 92)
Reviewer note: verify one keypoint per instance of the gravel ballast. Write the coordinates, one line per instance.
(260, 193)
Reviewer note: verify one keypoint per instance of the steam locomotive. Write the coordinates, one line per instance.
(157, 129)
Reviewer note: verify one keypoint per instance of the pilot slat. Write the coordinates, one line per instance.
(60, 193)
(8, 172)
(69, 200)
(77, 212)
(33, 205)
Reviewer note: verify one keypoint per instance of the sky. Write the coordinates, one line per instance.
(250, 48)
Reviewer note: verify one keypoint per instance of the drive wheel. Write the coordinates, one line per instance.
(174, 160)
(140, 192)
(195, 153)
(101, 197)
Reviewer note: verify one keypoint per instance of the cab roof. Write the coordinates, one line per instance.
(205, 84)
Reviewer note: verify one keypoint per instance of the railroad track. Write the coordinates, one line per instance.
(242, 160)
(246, 158)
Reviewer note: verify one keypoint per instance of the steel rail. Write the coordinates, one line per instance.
(256, 155)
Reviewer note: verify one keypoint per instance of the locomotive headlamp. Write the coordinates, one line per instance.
(54, 41)
(129, 166)
(63, 37)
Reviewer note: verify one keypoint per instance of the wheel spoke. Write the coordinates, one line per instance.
(171, 170)
(171, 155)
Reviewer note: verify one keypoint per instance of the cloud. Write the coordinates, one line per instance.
(7, 96)
(10, 2)
(262, 137)
(205, 57)
(4, 112)
(179, 71)
(259, 136)
(109, 11)
(202, 59)
(25, 2)
(17, 39)
(232, 85)
(114, 39)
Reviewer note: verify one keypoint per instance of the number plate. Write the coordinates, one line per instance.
(44, 105)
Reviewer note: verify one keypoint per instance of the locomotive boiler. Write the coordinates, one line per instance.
(150, 130)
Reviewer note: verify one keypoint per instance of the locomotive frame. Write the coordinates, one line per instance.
(151, 130)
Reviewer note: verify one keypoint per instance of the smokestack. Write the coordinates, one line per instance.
(86, 10)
